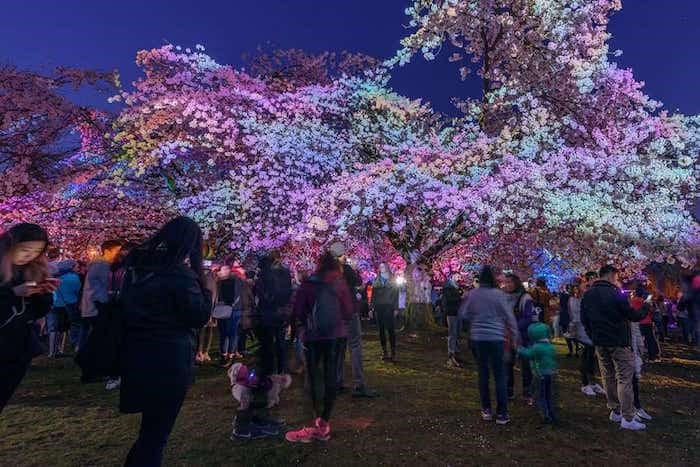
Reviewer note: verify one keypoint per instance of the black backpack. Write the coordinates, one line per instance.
(103, 350)
(322, 321)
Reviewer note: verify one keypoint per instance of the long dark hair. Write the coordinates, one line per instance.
(327, 263)
(487, 278)
(38, 269)
(178, 240)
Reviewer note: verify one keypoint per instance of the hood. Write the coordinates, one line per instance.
(60, 268)
(538, 331)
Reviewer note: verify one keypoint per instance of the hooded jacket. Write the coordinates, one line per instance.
(606, 314)
(541, 353)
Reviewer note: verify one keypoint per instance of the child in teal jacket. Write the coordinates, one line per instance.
(543, 360)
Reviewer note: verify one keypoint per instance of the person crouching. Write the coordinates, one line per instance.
(322, 304)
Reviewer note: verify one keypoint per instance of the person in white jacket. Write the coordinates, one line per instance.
(638, 350)
(577, 331)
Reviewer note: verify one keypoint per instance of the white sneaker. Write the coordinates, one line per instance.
(634, 425)
(588, 390)
(598, 389)
(113, 384)
(615, 417)
(643, 415)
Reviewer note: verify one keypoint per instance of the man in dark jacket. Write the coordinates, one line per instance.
(353, 328)
(606, 314)
(273, 291)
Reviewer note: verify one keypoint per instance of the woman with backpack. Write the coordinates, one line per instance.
(321, 306)
(164, 300)
(25, 296)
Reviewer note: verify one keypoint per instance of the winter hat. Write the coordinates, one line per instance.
(337, 249)
(538, 331)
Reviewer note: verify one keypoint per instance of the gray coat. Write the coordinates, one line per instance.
(489, 315)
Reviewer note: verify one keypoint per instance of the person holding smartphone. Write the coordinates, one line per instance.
(25, 296)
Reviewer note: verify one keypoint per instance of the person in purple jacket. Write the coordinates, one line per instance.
(523, 306)
(323, 304)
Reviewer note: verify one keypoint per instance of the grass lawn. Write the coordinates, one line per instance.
(428, 415)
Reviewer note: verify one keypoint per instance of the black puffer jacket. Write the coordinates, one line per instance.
(18, 340)
(162, 308)
(606, 314)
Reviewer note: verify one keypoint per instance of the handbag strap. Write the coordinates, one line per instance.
(15, 314)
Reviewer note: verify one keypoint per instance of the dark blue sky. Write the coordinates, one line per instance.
(659, 37)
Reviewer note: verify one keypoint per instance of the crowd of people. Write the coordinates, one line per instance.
(162, 299)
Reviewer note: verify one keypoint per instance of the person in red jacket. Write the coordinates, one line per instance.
(646, 327)
(322, 304)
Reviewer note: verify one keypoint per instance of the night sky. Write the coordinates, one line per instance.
(659, 38)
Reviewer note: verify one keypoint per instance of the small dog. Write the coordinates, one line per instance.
(244, 381)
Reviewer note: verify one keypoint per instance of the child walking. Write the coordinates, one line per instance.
(542, 357)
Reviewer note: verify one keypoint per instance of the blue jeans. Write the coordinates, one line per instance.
(489, 355)
(545, 397)
(228, 333)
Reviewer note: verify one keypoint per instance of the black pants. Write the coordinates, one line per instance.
(322, 353)
(242, 338)
(525, 373)
(155, 430)
(635, 390)
(341, 347)
(572, 344)
(652, 346)
(587, 367)
(265, 366)
(12, 373)
(280, 335)
(384, 314)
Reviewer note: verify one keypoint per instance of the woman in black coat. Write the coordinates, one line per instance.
(165, 300)
(25, 296)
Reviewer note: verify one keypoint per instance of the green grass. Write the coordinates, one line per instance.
(428, 415)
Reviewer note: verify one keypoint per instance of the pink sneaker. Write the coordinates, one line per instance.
(323, 430)
(304, 435)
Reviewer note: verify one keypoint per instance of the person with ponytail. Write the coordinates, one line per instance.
(25, 296)
(165, 300)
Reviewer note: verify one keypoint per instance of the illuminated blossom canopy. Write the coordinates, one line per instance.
(562, 153)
